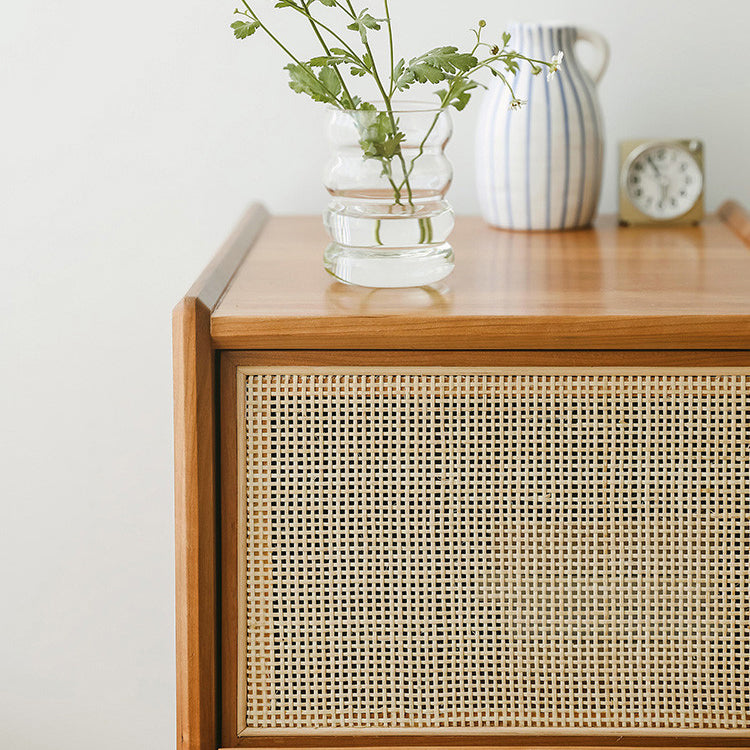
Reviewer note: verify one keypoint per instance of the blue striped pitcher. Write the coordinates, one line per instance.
(540, 167)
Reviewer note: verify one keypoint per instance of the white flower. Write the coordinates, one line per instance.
(554, 64)
(516, 104)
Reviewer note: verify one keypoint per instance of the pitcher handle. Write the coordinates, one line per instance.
(601, 45)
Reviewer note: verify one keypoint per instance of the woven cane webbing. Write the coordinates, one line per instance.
(496, 550)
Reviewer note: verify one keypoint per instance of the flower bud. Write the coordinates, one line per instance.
(495, 49)
(482, 23)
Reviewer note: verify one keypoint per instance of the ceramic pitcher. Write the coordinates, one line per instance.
(540, 167)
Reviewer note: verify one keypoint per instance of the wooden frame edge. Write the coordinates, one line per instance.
(533, 742)
(598, 745)
(196, 507)
(230, 440)
(737, 219)
(213, 282)
(236, 364)
(518, 741)
(195, 539)
(480, 333)
(495, 358)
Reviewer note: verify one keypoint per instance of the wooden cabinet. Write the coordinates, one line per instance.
(511, 509)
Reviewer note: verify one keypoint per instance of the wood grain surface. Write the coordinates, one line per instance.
(646, 297)
(604, 288)
(599, 742)
(527, 742)
(737, 218)
(195, 493)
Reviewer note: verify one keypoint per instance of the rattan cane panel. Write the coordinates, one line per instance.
(477, 550)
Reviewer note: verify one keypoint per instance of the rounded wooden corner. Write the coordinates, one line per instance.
(737, 218)
(196, 504)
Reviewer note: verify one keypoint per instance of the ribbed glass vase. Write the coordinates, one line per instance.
(388, 218)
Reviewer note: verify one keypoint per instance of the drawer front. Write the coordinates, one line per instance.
(468, 550)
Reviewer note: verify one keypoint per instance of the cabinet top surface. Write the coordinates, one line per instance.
(603, 288)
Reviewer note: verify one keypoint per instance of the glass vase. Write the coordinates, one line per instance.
(387, 176)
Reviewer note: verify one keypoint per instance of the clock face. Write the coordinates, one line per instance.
(664, 181)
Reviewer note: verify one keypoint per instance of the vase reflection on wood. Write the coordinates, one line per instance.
(540, 167)
(388, 218)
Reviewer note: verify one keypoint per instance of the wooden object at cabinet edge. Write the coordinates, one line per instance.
(607, 288)
(196, 507)
(197, 504)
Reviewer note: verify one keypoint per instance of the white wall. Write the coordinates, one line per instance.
(133, 135)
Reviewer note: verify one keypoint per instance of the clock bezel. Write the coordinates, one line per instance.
(630, 151)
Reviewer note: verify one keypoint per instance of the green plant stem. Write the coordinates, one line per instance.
(391, 117)
(326, 49)
(484, 64)
(388, 172)
(504, 80)
(390, 44)
(292, 56)
(448, 94)
(346, 10)
(338, 38)
(271, 35)
(443, 102)
(425, 231)
(422, 145)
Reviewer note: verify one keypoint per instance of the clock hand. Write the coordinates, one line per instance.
(651, 162)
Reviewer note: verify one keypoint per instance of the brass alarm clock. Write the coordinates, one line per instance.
(661, 182)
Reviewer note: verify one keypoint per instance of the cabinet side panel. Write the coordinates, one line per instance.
(196, 490)
(195, 546)
(230, 445)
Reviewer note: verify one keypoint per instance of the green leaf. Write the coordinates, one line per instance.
(510, 63)
(448, 59)
(329, 3)
(379, 139)
(358, 70)
(323, 60)
(424, 72)
(403, 78)
(244, 29)
(303, 81)
(459, 94)
(351, 103)
(434, 66)
(330, 79)
(363, 22)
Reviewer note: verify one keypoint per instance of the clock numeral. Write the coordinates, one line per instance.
(662, 180)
